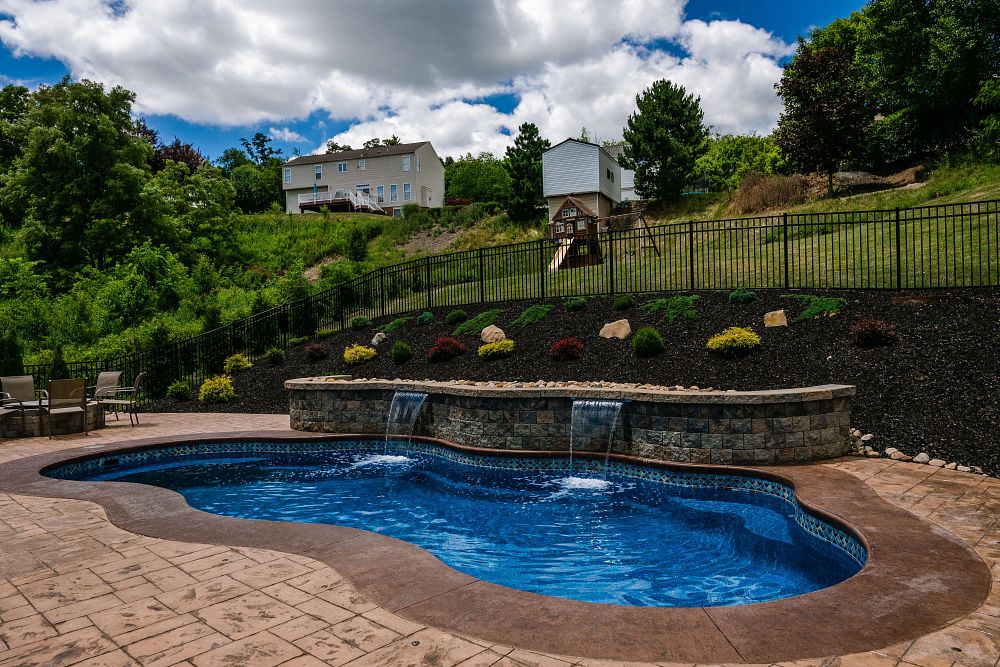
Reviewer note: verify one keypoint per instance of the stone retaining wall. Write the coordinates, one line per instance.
(11, 425)
(759, 427)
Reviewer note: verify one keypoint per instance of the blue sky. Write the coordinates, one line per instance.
(464, 97)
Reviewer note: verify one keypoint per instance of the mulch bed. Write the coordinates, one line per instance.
(937, 389)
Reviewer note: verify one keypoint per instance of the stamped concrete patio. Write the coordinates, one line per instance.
(76, 590)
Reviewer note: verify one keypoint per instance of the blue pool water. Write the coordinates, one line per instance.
(589, 536)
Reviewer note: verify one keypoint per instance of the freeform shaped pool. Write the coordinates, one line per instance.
(626, 534)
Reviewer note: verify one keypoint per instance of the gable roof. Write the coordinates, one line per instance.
(606, 151)
(357, 154)
(582, 209)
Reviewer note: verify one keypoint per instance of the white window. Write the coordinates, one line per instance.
(418, 163)
(361, 165)
(342, 167)
(319, 172)
(560, 228)
(380, 193)
(569, 212)
(406, 163)
(407, 194)
(581, 225)
(393, 194)
(288, 174)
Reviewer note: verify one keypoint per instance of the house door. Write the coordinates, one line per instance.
(364, 189)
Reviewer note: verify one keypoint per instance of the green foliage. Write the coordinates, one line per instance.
(236, 363)
(731, 157)
(395, 324)
(401, 352)
(477, 323)
(533, 315)
(734, 341)
(179, 390)
(647, 342)
(497, 349)
(19, 279)
(11, 355)
(575, 303)
(300, 340)
(218, 389)
(664, 138)
(673, 308)
(742, 295)
(274, 356)
(817, 306)
(58, 370)
(623, 302)
(425, 318)
(524, 164)
(359, 322)
(477, 179)
(987, 137)
(456, 316)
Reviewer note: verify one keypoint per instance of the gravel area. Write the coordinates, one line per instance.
(936, 390)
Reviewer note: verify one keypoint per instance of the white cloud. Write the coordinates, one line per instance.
(570, 63)
(285, 134)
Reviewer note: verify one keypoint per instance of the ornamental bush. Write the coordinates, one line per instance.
(314, 352)
(445, 349)
(359, 322)
(477, 323)
(456, 316)
(218, 389)
(235, 364)
(742, 295)
(356, 354)
(575, 303)
(734, 341)
(401, 352)
(567, 349)
(533, 314)
(274, 356)
(674, 308)
(395, 324)
(873, 333)
(817, 306)
(425, 317)
(623, 302)
(179, 390)
(496, 350)
(647, 342)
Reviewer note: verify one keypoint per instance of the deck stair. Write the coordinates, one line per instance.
(340, 200)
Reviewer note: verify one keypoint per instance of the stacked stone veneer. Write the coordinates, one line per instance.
(11, 425)
(758, 427)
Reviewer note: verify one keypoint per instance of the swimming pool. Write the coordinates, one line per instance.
(627, 535)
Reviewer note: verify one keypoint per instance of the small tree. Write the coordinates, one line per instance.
(11, 355)
(58, 370)
(524, 164)
(663, 139)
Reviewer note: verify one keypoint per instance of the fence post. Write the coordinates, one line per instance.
(381, 289)
(691, 254)
(784, 236)
(611, 263)
(427, 281)
(541, 264)
(899, 255)
(482, 277)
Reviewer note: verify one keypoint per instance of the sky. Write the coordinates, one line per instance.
(463, 74)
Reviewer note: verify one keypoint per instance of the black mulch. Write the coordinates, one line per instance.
(937, 389)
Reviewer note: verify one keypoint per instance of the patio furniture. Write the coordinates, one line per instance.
(9, 406)
(22, 388)
(106, 381)
(125, 399)
(66, 397)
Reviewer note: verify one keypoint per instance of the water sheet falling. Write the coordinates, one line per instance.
(593, 423)
(403, 414)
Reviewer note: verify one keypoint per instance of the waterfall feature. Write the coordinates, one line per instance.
(593, 421)
(403, 414)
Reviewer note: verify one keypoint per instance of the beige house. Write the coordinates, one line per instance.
(582, 170)
(379, 180)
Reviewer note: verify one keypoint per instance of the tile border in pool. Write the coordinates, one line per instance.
(834, 536)
(918, 578)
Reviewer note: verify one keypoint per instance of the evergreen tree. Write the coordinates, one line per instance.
(58, 370)
(524, 164)
(663, 139)
(11, 355)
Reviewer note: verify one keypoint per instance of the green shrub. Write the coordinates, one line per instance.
(623, 302)
(673, 308)
(734, 341)
(742, 295)
(11, 355)
(575, 303)
(456, 316)
(647, 342)
(274, 356)
(235, 364)
(395, 324)
(425, 318)
(478, 323)
(218, 389)
(322, 333)
(179, 390)
(295, 342)
(496, 350)
(58, 370)
(356, 354)
(359, 322)
(533, 314)
(817, 306)
(401, 352)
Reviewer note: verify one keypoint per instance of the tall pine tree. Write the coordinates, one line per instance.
(524, 164)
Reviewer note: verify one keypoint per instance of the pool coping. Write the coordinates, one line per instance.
(919, 578)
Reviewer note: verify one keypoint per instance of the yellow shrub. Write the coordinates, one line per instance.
(218, 389)
(734, 341)
(235, 364)
(355, 354)
(500, 348)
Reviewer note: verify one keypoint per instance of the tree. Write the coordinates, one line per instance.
(524, 165)
(11, 355)
(375, 142)
(333, 147)
(478, 179)
(259, 150)
(731, 157)
(230, 159)
(826, 114)
(13, 105)
(585, 134)
(988, 135)
(177, 151)
(663, 139)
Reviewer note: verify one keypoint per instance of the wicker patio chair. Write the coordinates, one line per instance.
(125, 399)
(66, 397)
(106, 381)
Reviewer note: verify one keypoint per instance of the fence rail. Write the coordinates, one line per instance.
(928, 247)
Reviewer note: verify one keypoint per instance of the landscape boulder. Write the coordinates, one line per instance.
(492, 334)
(776, 318)
(379, 337)
(620, 329)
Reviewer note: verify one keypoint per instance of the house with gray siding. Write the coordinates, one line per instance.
(585, 171)
(628, 176)
(380, 180)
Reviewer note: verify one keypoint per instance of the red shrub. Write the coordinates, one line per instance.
(446, 348)
(314, 352)
(567, 349)
(873, 333)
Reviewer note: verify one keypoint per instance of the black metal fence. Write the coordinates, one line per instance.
(929, 247)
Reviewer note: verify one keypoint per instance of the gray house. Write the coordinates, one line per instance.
(628, 176)
(379, 180)
(582, 170)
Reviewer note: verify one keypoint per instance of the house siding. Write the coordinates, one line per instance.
(571, 167)
(610, 187)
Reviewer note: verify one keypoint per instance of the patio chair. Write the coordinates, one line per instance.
(9, 406)
(17, 394)
(66, 397)
(125, 399)
(106, 381)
